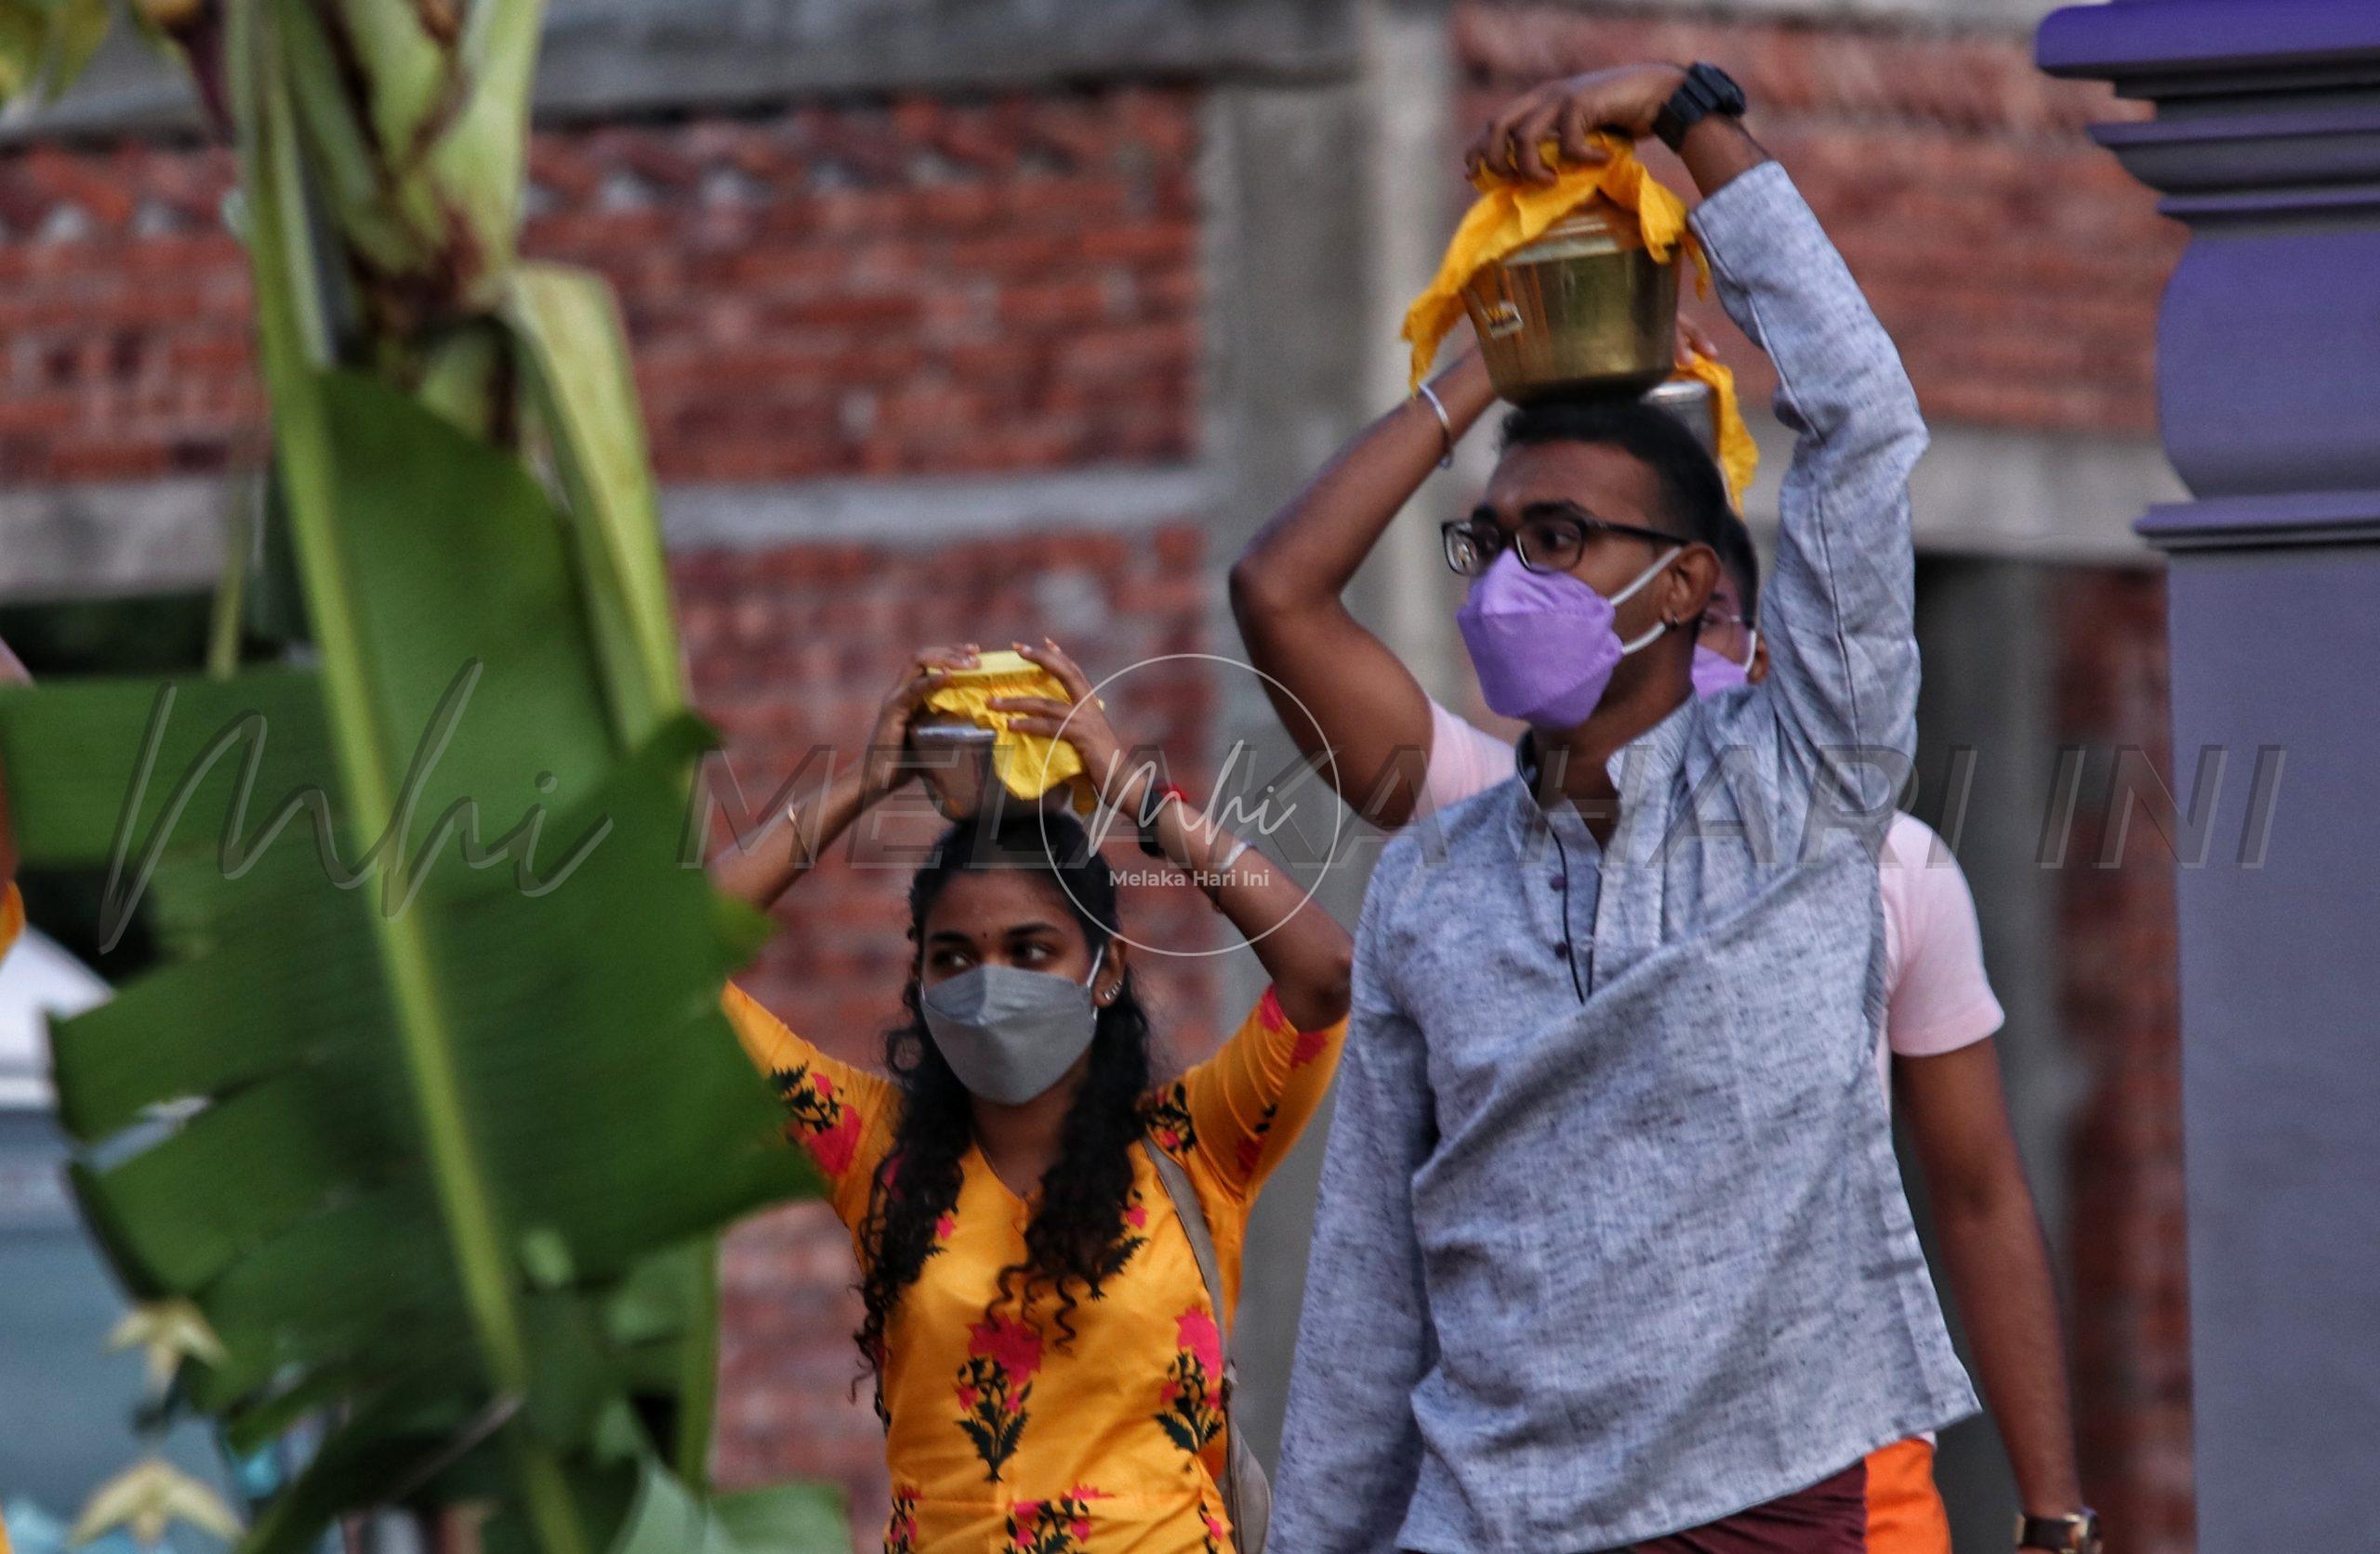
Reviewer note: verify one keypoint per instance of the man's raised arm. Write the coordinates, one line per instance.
(1285, 592)
(1842, 636)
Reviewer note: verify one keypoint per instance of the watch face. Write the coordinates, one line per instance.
(1706, 90)
(1726, 96)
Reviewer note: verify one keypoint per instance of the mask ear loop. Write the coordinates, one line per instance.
(1752, 651)
(1631, 590)
(1097, 958)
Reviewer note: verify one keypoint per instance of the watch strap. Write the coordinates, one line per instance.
(2078, 1533)
(1706, 90)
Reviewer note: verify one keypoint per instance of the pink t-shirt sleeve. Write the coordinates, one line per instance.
(1465, 760)
(1939, 998)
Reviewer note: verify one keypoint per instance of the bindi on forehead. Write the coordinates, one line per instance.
(987, 905)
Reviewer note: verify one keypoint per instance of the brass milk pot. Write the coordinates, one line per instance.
(1583, 308)
(954, 756)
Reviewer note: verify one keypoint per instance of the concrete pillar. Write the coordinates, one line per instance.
(1328, 203)
(2267, 142)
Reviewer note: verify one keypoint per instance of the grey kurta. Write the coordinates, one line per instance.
(1612, 1243)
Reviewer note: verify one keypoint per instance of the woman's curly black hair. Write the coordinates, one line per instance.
(1078, 1231)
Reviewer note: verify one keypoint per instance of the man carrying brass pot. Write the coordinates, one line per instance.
(1612, 1252)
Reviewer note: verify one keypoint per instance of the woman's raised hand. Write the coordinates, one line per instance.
(884, 769)
(1080, 722)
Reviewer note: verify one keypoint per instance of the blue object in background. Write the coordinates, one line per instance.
(67, 1405)
(34, 1528)
(2266, 144)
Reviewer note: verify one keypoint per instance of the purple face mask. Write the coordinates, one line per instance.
(1544, 642)
(1715, 673)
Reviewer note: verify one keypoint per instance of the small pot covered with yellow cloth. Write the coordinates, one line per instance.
(1585, 308)
(954, 756)
(968, 752)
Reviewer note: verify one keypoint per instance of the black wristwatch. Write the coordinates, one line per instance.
(2078, 1533)
(1707, 90)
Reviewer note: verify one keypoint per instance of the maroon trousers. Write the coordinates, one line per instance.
(1826, 1518)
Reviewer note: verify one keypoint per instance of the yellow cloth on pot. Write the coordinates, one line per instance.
(1739, 454)
(1027, 764)
(1512, 214)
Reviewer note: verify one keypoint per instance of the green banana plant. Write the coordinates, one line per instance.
(45, 43)
(432, 1117)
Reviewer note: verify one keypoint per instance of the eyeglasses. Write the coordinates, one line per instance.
(1726, 633)
(1548, 538)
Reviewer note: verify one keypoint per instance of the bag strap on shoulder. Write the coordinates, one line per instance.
(1192, 1215)
(1246, 1498)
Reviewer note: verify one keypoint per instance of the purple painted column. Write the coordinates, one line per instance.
(2266, 143)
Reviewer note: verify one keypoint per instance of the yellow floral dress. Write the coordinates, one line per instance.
(998, 1438)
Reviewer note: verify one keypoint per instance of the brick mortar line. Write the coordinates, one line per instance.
(931, 509)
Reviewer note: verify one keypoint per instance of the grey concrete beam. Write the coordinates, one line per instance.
(114, 540)
(924, 513)
(2013, 493)
(610, 58)
(110, 540)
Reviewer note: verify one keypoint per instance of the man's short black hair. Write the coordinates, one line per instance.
(1742, 562)
(1694, 496)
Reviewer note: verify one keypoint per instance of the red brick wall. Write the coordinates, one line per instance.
(917, 286)
(123, 327)
(793, 648)
(2016, 263)
(2128, 1243)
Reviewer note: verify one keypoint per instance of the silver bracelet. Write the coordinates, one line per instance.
(1229, 858)
(1429, 397)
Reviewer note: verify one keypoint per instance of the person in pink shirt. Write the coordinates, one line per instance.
(1400, 757)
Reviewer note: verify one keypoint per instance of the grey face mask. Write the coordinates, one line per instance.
(1009, 1034)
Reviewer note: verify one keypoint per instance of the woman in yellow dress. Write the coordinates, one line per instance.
(1049, 1364)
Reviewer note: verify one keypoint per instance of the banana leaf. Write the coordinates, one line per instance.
(46, 44)
(428, 1083)
(429, 1109)
(575, 357)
